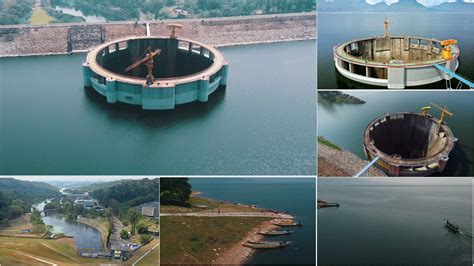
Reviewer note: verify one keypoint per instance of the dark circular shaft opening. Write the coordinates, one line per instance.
(409, 136)
(172, 62)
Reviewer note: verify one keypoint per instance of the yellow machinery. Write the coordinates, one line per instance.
(447, 50)
(425, 110)
(444, 112)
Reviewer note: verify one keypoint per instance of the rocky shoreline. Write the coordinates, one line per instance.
(61, 39)
(342, 163)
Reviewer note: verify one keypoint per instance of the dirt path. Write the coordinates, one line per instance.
(66, 255)
(36, 258)
(238, 254)
(232, 214)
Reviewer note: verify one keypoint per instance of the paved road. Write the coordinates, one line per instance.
(115, 240)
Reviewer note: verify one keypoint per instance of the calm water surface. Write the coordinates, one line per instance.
(394, 221)
(86, 237)
(263, 123)
(334, 28)
(344, 123)
(295, 196)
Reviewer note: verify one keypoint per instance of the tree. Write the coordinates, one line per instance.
(124, 234)
(142, 227)
(133, 217)
(175, 191)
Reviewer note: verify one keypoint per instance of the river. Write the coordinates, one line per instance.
(344, 123)
(334, 28)
(86, 237)
(263, 123)
(78, 13)
(295, 196)
(394, 221)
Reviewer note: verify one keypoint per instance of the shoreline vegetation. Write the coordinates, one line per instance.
(338, 97)
(208, 231)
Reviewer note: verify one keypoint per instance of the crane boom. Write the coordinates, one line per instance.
(143, 60)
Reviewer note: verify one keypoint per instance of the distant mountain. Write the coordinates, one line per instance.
(401, 6)
(100, 185)
(27, 191)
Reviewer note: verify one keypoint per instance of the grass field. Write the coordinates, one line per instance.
(211, 205)
(326, 142)
(153, 258)
(61, 251)
(192, 240)
(39, 16)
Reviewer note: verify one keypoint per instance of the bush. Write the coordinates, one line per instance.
(124, 234)
(145, 238)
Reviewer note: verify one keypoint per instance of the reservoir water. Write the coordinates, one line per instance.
(78, 13)
(293, 195)
(334, 28)
(344, 123)
(395, 221)
(263, 123)
(86, 237)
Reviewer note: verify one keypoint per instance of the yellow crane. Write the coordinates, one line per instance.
(444, 111)
(447, 49)
(148, 60)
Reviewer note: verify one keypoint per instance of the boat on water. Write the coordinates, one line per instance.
(275, 233)
(451, 226)
(286, 222)
(266, 244)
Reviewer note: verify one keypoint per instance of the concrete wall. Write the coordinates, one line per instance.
(23, 40)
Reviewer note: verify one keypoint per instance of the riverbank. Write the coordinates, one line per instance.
(212, 232)
(342, 163)
(56, 39)
(238, 254)
(99, 225)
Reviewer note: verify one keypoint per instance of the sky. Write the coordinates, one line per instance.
(427, 3)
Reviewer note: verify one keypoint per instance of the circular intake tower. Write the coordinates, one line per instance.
(157, 73)
(408, 144)
(396, 61)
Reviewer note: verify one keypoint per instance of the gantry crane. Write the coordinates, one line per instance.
(173, 27)
(148, 61)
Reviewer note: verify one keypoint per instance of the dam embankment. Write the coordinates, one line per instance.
(29, 40)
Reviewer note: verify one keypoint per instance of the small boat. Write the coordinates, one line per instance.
(266, 244)
(275, 233)
(451, 226)
(286, 222)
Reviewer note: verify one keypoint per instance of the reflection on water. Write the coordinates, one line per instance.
(85, 237)
(263, 123)
(394, 221)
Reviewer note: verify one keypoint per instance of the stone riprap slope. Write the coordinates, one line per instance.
(25, 40)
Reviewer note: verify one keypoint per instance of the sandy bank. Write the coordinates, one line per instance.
(238, 254)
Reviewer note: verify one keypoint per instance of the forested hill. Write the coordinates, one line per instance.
(16, 196)
(129, 193)
(26, 190)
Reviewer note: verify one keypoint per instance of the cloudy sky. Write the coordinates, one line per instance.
(427, 3)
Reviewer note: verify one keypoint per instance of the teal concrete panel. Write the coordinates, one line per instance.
(111, 92)
(86, 75)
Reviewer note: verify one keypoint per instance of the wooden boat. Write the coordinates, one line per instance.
(451, 226)
(275, 233)
(266, 244)
(286, 222)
